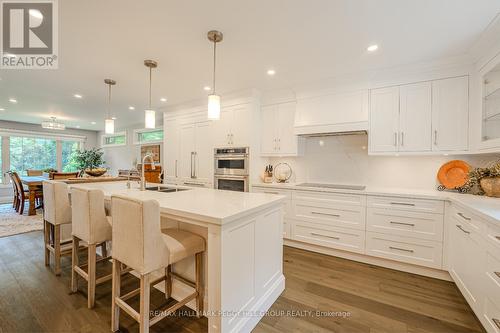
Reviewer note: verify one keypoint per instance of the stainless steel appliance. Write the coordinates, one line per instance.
(231, 169)
(333, 186)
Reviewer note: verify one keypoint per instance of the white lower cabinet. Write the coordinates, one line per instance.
(287, 224)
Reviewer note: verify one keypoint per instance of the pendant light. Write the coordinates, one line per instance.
(150, 114)
(53, 124)
(214, 99)
(109, 123)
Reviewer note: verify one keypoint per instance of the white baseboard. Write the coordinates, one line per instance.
(400, 266)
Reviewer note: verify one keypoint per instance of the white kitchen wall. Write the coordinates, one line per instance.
(344, 160)
(124, 157)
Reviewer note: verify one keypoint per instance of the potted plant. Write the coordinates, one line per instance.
(90, 161)
(485, 181)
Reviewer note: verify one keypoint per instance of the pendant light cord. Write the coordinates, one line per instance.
(109, 101)
(215, 62)
(150, 79)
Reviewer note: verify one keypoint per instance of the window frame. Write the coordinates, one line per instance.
(118, 134)
(137, 132)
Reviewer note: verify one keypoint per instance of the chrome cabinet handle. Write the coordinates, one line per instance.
(435, 137)
(402, 223)
(402, 203)
(319, 213)
(175, 168)
(460, 227)
(228, 136)
(395, 139)
(464, 217)
(195, 164)
(497, 274)
(270, 192)
(332, 237)
(279, 144)
(400, 249)
(192, 176)
(496, 321)
(402, 138)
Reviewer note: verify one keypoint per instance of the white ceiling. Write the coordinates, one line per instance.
(304, 40)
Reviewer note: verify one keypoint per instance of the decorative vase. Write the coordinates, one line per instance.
(491, 186)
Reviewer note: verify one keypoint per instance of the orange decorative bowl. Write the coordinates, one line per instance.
(454, 174)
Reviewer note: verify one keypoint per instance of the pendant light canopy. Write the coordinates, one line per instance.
(109, 123)
(150, 114)
(213, 99)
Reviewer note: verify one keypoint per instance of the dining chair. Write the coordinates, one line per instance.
(15, 201)
(30, 172)
(22, 193)
(141, 244)
(64, 175)
(90, 225)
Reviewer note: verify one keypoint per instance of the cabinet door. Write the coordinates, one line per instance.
(450, 114)
(171, 149)
(241, 125)
(204, 158)
(270, 124)
(186, 149)
(415, 116)
(222, 128)
(287, 140)
(384, 119)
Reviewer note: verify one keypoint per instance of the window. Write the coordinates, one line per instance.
(1, 166)
(32, 153)
(69, 150)
(113, 140)
(148, 136)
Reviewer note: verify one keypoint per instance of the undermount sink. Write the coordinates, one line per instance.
(165, 189)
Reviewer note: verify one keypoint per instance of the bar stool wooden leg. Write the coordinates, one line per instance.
(46, 238)
(115, 293)
(57, 249)
(91, 275)
(104, 250)
(74, 263)
(168, 282)
(199, 287)
(144, 304)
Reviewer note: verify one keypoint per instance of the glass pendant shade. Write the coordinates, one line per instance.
(109, 126)
(213, 107)
(150, 118)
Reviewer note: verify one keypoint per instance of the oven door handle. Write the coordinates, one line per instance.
(233, 157)
(231, 177)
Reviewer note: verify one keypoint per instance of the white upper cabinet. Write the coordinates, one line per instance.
(233, 127)
(277, 126)
(415, 117)
(171, 148)
(195, 152)
(384, 120)
(420, 117)
(450, 114)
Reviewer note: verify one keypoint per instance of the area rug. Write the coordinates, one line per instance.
(11, 223)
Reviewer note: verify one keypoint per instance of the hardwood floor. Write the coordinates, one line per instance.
(354, 297)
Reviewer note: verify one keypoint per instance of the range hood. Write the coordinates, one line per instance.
(354, 128)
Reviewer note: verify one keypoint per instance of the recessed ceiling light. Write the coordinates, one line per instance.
(114, 118)
(207, 88)
(271, 72)
(131, 108)
(93, 122)
(77, 126)
(163, 99)
(77, 96)
(13, 100)
(372, 48)
(2, 109)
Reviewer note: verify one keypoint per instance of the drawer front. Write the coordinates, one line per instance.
(332, 237)
(286, 193)
(329, 198)
(468, 220)
(493, 235)
(492, 316)
(402, 223)
(493, 279)
(332, 215)
(415, 205)
(413, 251)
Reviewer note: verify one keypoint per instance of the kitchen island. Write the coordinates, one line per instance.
(243, 263)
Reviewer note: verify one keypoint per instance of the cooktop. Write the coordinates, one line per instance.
(333, 186)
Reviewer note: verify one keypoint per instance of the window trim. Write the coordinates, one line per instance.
(117, 134)
(136, 132)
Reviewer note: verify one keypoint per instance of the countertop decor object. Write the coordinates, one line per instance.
(282, 172)
(485, 181)
(96, 172)
(453, 175)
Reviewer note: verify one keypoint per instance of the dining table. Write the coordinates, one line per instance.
(33, 183)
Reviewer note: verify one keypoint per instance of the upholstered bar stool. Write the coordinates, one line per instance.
(141, 244)
(90, 225)
(56, 212)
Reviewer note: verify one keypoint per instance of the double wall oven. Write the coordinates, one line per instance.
(231, 169)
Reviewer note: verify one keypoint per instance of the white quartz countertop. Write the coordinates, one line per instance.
(203, 204)
(485, 207)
